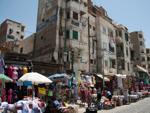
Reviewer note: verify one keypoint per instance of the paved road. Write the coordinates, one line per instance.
(142, 106)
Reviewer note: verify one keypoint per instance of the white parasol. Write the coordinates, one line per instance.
(35, 78)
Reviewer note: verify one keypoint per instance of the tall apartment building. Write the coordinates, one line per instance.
(148, 58)
(28, 44)
(123, 50)
(105, 40)
(12, 31)
(62, 34)
(139, 50)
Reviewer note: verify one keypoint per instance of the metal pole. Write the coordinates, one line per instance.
(65, 51)
(103, 68)
(89, 43)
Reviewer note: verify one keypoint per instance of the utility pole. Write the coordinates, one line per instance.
(89, 44)
(65, 39)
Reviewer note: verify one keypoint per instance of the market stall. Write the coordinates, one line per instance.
(3, 80)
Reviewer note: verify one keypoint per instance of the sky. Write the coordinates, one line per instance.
(131, 13)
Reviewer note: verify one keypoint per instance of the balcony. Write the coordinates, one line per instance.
(112, 70)
(120, 53)
(81, 6)
(119, 40)
(73, 23)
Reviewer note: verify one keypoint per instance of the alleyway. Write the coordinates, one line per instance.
(142, 106)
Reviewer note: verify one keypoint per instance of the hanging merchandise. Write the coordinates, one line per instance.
(27, 83)
(9, 71)
(42, 91)
(15, 73)
(20, 72)
(50, 93)
(2, 64)
(25, 70)
(19, 83)
(120, 84)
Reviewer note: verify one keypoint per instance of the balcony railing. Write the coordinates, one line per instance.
(81, 6)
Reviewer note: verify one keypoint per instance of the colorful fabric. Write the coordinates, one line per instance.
(25, 70)
(2, 64)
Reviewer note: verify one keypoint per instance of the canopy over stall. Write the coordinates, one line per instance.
(102, 76)
(120, 75)
(141, 69)
(59, 76)
(5, 78)
(35, 78)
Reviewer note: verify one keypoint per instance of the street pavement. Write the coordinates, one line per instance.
(142, 106)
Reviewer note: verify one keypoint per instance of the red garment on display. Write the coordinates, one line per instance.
(10, 92)
(3, 95)
(10, 71)
(15, 73)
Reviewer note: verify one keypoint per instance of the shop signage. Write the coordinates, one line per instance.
(42, 91)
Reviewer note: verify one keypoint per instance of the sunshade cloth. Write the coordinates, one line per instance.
(5, 78)
(35, 78)
(120, 75)
(58, 76)
(101, 76)
(142, 69)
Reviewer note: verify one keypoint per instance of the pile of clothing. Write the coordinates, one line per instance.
(27, 105)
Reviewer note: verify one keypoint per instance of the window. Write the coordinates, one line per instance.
(110, 32)
(142, 51)
(111, 47)
(144, 66)
(143, 59)
(92, 61)
(105, 45)
(128, 67)
(21, 50)
(104, 30)
(106, 63)
(22, 28)
(120, 33)
(10, 31)
(112, 63)
(148, 58)
(21, 37)
(18, 32)
(42, 37)
(68, 15)
(140, 36)
(147, 51)
(93, 46)
(127, 52)
(76, 0)
(75, 35)
(67, 34)
(75, 15)
(116, 33)
(90, 26)
(43, 20)
(126, 37)
(141, 43)
(93, 28)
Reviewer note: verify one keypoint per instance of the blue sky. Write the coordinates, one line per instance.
(131, 13)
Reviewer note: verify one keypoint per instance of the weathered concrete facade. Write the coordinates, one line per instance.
(148, 58)
(123, 44)
(28, 44)
(12, 31)
(138, 42)
(62, 34)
